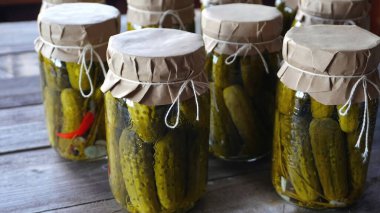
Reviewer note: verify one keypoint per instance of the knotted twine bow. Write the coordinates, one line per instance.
(177, 98)
(347, 106)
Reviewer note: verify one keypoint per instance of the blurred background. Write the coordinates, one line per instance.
(21, 10)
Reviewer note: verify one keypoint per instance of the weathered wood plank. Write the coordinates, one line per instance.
(40, 180)
(20, 92)
(251, 192)
(22, 128)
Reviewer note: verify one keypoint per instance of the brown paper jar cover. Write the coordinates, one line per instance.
(241, 23)
(148, 12)
(334, 11)
(154, 64)
(336, 52)
(217, 2)
(76, 25)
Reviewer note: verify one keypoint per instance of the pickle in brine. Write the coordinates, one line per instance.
(300, 162)
(113, 133)
(170, 168)
(285, 99)
(147, 121)
(224, 138)
(252, 73)
(72, 109)
(240, 109)
(320, 110)
(136, 159)
(329, 151)
(52, 105)
(358, 165)
(53, 75)
(197, 160)
(224, 75)
(350, 122)
(73, 69)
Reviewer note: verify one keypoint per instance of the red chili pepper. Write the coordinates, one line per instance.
(87, 121)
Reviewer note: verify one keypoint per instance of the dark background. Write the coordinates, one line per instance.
(19, 10)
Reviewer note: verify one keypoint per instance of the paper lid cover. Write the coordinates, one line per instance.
(148, 12)
(327, 60)
(241, 23)
(150, 66)
(66, 26)
(335, 9)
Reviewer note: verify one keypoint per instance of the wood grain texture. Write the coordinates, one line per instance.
(22, 128)
(250, 191)
(20, 92)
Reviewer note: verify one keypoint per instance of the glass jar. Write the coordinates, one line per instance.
(326, 111)
(75, 124)
(171, 14)
(315, 161)
(288, 12)
(72, 71)
(153, 168)
(157, 120)
(242, 106)
(242, 78)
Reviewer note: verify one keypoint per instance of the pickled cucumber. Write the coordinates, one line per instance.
(300, 162)
(52, 110)
(197, 159)
(188, 109)
(320, 110)
(252, 73)
(240, 109)
(224, 137)
(358, 167)
(329, 151)
(72, 111)
(113, 134)
(224, 75)
(170, 168)
(285, 99)
(53, 75)
(350, 122)
(136, 159)
(147, 121)
(73, 69)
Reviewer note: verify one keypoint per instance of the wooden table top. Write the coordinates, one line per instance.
(35, 179)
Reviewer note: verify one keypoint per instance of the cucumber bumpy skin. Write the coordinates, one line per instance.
(240, 109)
(136, 159)
(300, 162)
(329, 151)
(170, 168)
(72, 110)
(113, 132)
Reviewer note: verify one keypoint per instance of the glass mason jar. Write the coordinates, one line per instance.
(72, 99)
(242, 106)
(315, 161)
(75, 124)
(242, 78)
(153, 168)
(157, 145)
(288, 13)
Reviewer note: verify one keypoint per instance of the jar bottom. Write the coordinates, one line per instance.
(75, 158)
(316, 205)
(241, 159)
(185, 207)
